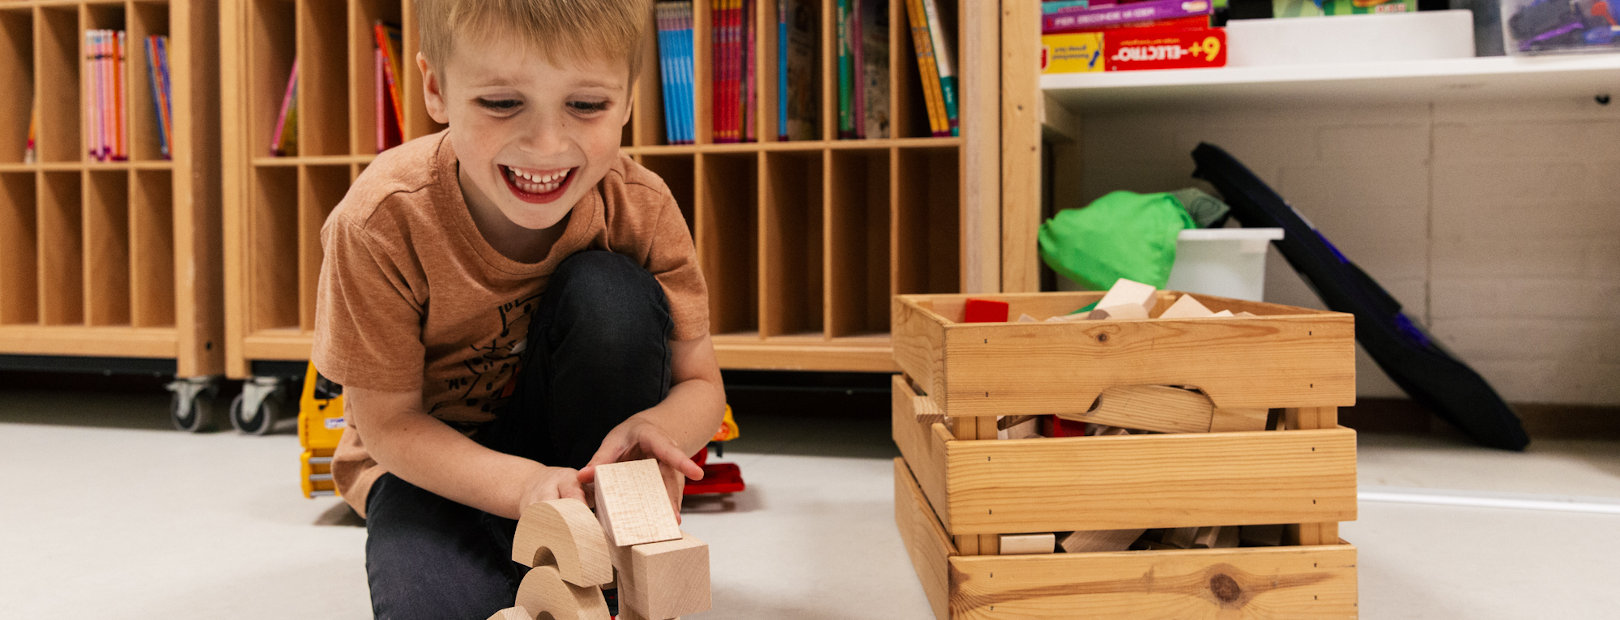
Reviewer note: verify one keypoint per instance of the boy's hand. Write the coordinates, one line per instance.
(638, 439)
(548, 483)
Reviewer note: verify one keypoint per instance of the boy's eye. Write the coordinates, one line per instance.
(498, 105)
(588, 106)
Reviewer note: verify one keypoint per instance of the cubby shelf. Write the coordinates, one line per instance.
(115, 259)
(802, 242)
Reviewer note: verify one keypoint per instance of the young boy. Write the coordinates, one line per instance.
(508, 303)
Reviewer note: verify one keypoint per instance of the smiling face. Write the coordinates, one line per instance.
(532, 134)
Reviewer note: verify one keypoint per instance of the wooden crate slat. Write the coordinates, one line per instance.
(926, 542)
(1102, 483)
(1267, 582)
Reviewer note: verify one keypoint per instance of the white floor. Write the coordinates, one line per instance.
(105, 512)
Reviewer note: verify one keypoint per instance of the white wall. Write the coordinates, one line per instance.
(1495, 224)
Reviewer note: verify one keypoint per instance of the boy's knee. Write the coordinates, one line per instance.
(600, 291)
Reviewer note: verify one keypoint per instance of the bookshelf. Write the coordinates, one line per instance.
(111, 265)
(802, 242)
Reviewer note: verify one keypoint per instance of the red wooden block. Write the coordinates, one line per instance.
(986, 311)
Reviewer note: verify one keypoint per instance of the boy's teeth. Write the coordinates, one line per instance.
(537, 184)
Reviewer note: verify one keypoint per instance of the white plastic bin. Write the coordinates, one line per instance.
(1228, 262)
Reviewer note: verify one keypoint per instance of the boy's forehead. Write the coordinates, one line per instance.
(503, 59)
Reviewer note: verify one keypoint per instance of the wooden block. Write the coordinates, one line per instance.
(543, 592)
(1186, 308)
(1210, 537)
(1100, 540)
(1228, 538)
(512, 613)
(1028, 544)
(1150, 408)
(1109, 431)
(1021, 427)
(1126, 311)
(984, 311)
(1239, 419)
(1026, 318)
(1223, 313)
(665, 579)
(564, 533)
(633, 505)
(1130, 293)
(1181, 537)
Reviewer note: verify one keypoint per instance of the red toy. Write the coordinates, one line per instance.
(985, 311)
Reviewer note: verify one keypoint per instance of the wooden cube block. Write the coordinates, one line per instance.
(665, 579)
(1028, 544)
(1100, 540)
(633, 504)
(985, 311)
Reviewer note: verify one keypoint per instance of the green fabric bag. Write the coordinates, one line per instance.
(1121, 235)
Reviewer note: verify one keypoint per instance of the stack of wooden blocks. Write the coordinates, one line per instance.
(662, 571)
(1218, 430)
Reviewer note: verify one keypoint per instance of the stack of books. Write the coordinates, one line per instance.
(733, 63)
(106, 120)
(934, 37)
(390, 112)
(157, 72)
(1105, 35)
(675, 64)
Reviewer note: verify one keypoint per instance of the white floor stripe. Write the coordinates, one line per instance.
(1488, 499)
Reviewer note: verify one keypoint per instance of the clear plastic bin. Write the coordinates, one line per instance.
(1227, 262)
(1559, 26)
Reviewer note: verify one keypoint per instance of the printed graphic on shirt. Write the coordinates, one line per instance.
(489, 379)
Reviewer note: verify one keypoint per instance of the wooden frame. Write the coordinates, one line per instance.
(802, 242)
(110, 259)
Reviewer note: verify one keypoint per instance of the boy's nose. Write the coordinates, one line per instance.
(545, 135)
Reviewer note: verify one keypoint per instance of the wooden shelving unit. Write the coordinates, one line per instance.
(117, 263)
(802, 243)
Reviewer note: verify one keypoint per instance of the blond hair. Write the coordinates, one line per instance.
(558, 29)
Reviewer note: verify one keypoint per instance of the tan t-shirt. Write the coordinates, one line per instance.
(412, 298)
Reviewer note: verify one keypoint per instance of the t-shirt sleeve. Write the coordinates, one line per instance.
(673, 260)
(368, 321)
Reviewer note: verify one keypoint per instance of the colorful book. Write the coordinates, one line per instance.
(938, 122)
(942, 29)
(121, 96)
(874, 73)
(388, 39)
(92, 113)
(1053, 6)
(30, 152)
(781, 69)
(284, 140)
(160, 99)
(686, 117)
(846, 72)
(751, 98)
(1090, 18)
(803, 70)
(168, 92)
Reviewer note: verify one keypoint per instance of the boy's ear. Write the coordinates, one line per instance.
(432, 91)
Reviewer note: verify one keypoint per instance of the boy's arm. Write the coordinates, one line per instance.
(426, 452)
(675, 429)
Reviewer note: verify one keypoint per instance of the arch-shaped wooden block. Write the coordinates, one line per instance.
(564, 533)
(545, 594)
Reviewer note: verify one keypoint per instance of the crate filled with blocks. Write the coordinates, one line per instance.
(1130, 453)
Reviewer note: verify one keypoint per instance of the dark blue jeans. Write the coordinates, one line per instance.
(597, 353)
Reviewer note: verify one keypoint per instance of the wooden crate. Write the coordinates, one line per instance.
(1284, 357)
(958, 488)
(1293, 581)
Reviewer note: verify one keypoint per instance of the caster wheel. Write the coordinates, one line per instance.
(191, 406)
(260, 420)
(191, 415)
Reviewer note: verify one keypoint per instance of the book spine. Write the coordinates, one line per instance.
(661, 23)
(168, 93)
(1074, 20)
(377, 82)
(734, 69)
(928, 72)
(30, 152)
(92, 116)
(842, 19)
(938, 30)
(121, 105)
(857, 69)
(103, 96)
(686, 118)
(751, 101)
(781, 69)
(278, 137)
(390, 69)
